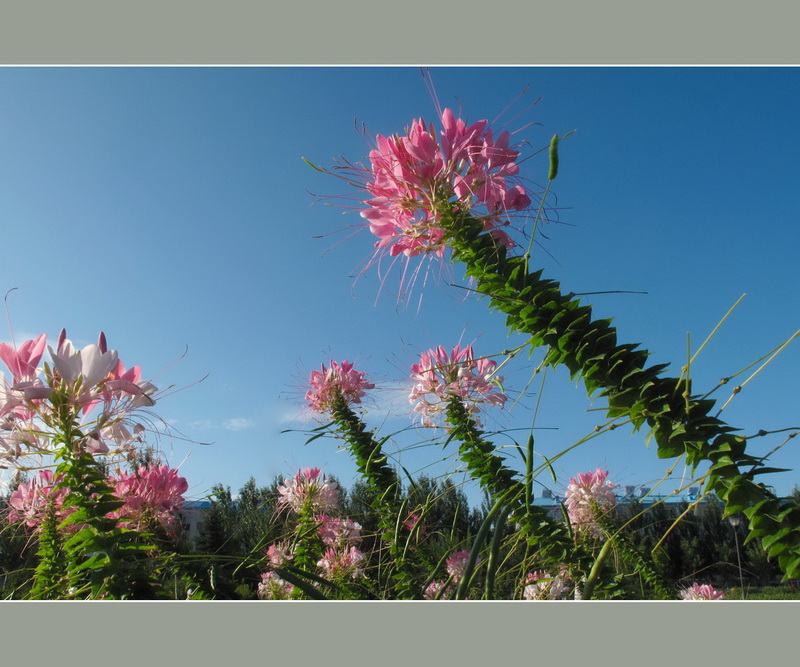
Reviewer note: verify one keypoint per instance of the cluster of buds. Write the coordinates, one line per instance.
(440, 376)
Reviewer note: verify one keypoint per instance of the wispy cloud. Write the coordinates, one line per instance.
(232, 424)
(238, 424)
(198, 425)
(292, 416)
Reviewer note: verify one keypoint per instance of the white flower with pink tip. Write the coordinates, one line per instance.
(93, 382)
(309, 488)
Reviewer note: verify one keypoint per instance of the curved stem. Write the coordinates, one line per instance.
(588, 348)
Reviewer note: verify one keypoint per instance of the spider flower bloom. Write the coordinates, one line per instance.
(344, 564)
(338, 532)
(95, 375)
(338, 381)
(22, 361)
(704, 592)
(543, 586)
(432, 592)
(272, 587)
(587, 497)
(280, 553)
(29, 502)
(421, 177)
(309, 488)
(31, 403)
(440, 376)
(154, 492)
(456, 564)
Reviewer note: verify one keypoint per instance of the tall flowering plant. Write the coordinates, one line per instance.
(332, 392)
(81, 405)
(305, 495)
(456, 188)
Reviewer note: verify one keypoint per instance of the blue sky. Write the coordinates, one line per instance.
(170, 207)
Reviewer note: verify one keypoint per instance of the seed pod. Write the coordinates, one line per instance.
(553, 157)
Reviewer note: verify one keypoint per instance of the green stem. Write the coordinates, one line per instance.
(494, 554)
(384, 485)
(591, 580)
(100, 560)
(632, 557)
(48, 580)
(588, 348)
(552, 538)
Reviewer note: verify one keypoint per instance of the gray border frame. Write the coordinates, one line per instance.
(413, 32)
(634, 32)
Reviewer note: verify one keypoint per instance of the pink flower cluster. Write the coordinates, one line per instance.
(436, 590)
(541, 585)
(280, 554)
(338, 532)
(336, 381)
(342, 563)
(456, 566)
(701, 592)
(342, 558)
(439, 376)
(423, 175)
(272, 587)
(309, 488)
(30, 500)
(94, 382)
(152, 493)
(587, 497)
(415, 525)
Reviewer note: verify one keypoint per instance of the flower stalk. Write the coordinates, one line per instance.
(385, 487)
(535, 306)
